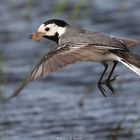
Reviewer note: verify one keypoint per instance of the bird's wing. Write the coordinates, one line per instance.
(66, 54)
(61, 56)
(58, 58)
(118, 42)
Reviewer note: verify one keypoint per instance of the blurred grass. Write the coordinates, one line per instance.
(28, 6)
(60, 7)
(116, 132)
(75, 10)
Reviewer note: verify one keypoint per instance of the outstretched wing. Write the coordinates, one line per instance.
(63, 55)
(58, 58)
(67, 54)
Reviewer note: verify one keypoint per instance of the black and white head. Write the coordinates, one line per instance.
(53, 29)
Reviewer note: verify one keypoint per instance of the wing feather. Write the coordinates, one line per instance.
(60, 57)
(128, 42)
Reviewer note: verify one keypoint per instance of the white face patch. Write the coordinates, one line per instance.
(53, 29)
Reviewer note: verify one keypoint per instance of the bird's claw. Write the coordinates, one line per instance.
(108, 84)
(113, 79)
(109, 81)
(101, 88)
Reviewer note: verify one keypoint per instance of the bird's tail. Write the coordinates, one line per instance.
(130, 60)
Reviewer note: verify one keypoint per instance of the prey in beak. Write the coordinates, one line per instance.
(36, 36)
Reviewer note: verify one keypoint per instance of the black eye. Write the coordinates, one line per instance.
(47, 29)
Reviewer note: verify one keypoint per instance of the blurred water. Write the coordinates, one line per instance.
(48, 108)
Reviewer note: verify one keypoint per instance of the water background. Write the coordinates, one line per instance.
(48, 109)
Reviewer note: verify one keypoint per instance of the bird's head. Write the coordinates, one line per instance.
(52, 29)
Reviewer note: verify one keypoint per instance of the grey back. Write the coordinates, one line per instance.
(77, 35)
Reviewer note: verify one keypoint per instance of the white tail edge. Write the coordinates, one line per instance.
(130, 66)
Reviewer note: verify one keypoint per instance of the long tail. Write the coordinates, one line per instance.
(130, 60)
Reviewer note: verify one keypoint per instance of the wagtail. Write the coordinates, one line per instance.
(76, 44)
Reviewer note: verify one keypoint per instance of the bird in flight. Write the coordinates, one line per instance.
(76, 44)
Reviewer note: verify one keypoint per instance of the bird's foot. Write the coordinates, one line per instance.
(109, 81)
(101, 88)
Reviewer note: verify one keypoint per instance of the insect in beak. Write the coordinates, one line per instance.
(36, 36)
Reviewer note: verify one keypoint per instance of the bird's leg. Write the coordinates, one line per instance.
(100, 80)
(110, 74)
(109, 80)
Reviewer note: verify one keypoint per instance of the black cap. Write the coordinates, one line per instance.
(57, 22)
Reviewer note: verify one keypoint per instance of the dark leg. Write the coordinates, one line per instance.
(100, 80)
(109, 80)
(109, 77)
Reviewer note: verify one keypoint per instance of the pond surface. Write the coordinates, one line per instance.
(49, 108)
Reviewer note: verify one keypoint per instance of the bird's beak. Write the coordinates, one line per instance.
(36, 36)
